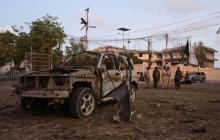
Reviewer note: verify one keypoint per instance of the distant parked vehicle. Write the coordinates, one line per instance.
(197, 76)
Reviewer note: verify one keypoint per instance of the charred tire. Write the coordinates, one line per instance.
(133, 93)
(82, 102)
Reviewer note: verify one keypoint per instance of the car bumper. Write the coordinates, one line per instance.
(44, 93)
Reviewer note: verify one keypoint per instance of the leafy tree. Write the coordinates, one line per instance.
(74, 48)
(57, 57)
(23, 44)
(46, 33)
(7, 47)
(200, 53)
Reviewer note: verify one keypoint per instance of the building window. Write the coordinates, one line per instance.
(175, 54)
(140, 55)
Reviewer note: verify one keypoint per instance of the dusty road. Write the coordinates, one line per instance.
(167, 114)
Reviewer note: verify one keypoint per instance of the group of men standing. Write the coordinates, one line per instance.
(164, 76)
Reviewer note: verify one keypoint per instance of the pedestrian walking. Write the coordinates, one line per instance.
(156, 77)
(163, 77)
(147, 77)
(168, 75)
(187, 78)
(141, 78)
(177, 78)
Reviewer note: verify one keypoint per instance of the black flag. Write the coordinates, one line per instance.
(218, 31)
(186, 49)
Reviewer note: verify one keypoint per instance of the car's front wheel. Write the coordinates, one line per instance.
(82, 102)
(132, 93)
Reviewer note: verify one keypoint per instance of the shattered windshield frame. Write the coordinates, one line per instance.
(81, 60)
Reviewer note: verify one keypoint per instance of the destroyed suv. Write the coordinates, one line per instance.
(83, 81)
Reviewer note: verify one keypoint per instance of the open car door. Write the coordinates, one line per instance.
(110, 74)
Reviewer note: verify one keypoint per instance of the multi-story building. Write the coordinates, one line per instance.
(173, 56)
(210, 57)
(110, 48)
(176, 56)
(153, 57)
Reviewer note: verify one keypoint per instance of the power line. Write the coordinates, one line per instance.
(163, 34)
(178, 22)
(174, 23)
(198, 28)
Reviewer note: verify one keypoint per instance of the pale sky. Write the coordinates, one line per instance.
(136, 15)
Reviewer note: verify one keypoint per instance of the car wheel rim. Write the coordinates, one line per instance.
(87, 104)
(132, 94)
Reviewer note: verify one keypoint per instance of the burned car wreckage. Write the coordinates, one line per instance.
(83, 81)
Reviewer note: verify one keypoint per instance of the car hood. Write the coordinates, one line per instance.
(62, 72)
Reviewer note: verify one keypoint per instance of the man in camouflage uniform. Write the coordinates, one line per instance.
(178, 76)
(163, 77)
(168, 75)
(147, 77)
(156, 77)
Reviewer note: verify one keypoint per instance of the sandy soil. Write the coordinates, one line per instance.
(167, 114)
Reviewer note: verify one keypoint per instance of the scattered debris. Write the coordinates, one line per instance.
(158, 100)
(161, 101)
(184, 92)
(215, 101)
(183, 108)
(198, 117)
(198, 129)
(141, 130)
(155, 105)
(116, 126)
(158, 105)
(187, 121)
(135, 115)
(116, 119)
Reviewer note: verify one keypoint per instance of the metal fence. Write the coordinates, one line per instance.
(12, 76)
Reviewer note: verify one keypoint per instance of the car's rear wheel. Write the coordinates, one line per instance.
(132, 93)
(82, 102)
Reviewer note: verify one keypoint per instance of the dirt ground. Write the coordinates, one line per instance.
(167, 114)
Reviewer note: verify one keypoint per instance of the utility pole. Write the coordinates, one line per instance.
(86, 25)
(123, 30)
(149, 47)
(166, 36)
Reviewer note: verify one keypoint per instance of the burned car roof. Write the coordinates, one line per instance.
(81, 60)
